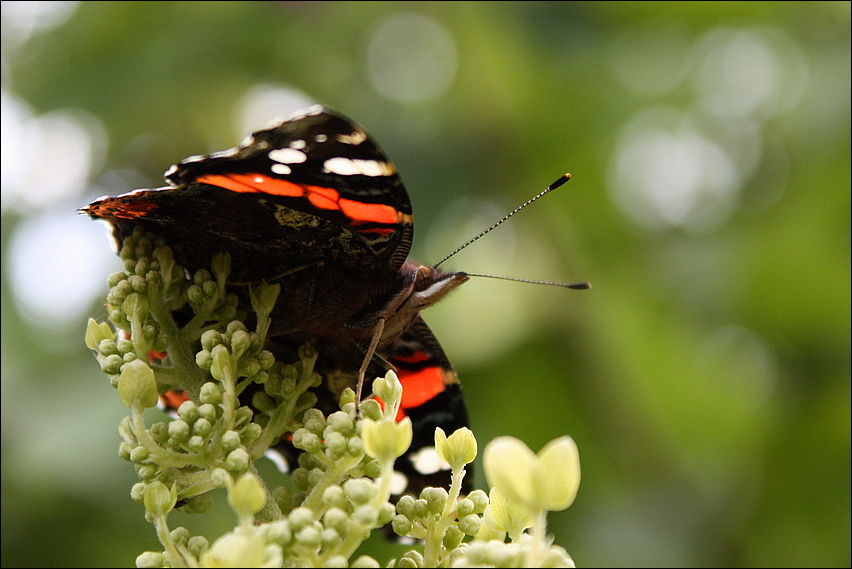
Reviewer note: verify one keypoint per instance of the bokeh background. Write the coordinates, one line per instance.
(705, 377)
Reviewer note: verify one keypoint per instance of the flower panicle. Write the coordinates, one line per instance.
(342, 486)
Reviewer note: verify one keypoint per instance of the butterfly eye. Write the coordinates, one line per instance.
(423, 278)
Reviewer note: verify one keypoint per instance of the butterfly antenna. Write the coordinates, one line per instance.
(550, 188)
(575, 286)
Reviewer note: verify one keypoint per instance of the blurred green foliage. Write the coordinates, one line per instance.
(705, 377)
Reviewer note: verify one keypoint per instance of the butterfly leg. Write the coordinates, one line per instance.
(368, 357)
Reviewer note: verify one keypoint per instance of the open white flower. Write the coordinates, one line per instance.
(546, 481)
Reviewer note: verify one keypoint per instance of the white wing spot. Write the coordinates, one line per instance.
(225, 153)
(298, 144)
(278, 459)
(288, 155)
(258, 179)
(356, 138)
(348, 167)
(399, 482)
(282, 169)
(426, 461)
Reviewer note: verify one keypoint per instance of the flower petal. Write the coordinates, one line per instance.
(509, 465)
(558, 475)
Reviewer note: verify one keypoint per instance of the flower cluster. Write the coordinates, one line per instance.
(185, 336)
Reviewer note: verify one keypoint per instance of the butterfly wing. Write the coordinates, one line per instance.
(432, 398)
(312, 189)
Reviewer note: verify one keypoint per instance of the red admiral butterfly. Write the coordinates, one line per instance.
(313, 204)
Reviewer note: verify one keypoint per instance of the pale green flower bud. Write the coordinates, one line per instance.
(137, 385)
(198, 505)
(355, 447)
(179, 535)
(307, 441)
(111, 365)
(202, 427)
(265, 296)
(238, 460)
(512, 517)
(159, 500)
(347, 398)
(150, 559)
(211, 393)
(452, 538)
(139, 454)
(115, 278)
(365, 516)
(477, 554)
(405, 506)
(195, 443)
(197, 545)
(386, 513)
(420, 509)
(210, 339)
(250, 434)
(465, 507)
(336, 561)
(222, 264)
(236, 550)
(557, 557)
(386, 440)
(222, 361)
(283, 496)
(333, 497)
(388, 388)
(247, 497)
(309, 537)
(436, 499)
(335, 445)
(136, 305)
(240, 343)
(279, 532)
(340, 422)
(221, 478)
(179, 430)
(244, 416)
(125, 451)
(470, 524)
(160, 432)
(337, 519)
(263, 402)
(208, 411)
(188, 411)
(204, 359)
(370, 409)
(365, 562)
(359, 490)
(300, 517)
(137, 493)
(457, 450)
(96, 333)
(314, 421)
(414, 556)
(402, 525)
(490, 529)
(147, 472)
